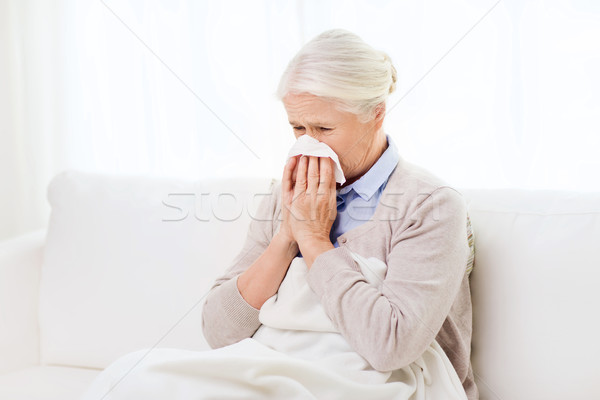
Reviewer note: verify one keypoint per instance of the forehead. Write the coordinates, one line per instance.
(308, 107)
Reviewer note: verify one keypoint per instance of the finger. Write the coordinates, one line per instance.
(287, 181)
(333, 181)
(313, 175)
(295, 170)
(300, 186)
(326, 174)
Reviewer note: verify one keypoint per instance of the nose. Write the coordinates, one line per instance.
(312, 134)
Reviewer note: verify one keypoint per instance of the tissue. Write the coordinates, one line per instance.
(309, 146)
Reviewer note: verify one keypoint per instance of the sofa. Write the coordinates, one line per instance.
(125, 262)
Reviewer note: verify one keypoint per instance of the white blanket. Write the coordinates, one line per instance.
(297, 353)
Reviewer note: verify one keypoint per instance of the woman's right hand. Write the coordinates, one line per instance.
(262, 278)
(287, 194)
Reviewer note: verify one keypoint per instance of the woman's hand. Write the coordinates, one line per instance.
(264, 276)
(313, 206)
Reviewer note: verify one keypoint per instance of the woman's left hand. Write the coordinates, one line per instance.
(313, 206)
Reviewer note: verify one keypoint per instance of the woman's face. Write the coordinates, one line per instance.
(353, 141)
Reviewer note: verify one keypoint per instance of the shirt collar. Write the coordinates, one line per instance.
(377, 175)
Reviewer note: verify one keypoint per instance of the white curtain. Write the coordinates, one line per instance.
(491, 93)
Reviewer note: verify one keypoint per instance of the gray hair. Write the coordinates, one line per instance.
(339, 65)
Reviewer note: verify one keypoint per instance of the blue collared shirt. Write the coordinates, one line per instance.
(356, 202)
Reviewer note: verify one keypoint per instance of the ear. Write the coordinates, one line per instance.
(379, 115)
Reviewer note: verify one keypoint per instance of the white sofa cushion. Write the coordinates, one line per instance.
(535, 290)
(123, 267)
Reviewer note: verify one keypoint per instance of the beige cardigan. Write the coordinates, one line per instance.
(421, 230)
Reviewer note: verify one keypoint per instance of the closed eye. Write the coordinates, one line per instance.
(320, 128)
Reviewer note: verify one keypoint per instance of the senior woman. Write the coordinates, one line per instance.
(335, 90)
(350, 292)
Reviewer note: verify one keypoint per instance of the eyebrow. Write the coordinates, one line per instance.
(293, 123)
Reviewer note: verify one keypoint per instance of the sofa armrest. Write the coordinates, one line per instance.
(20, 266)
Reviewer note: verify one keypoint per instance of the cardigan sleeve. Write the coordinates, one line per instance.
(227, 317)
(392, 324)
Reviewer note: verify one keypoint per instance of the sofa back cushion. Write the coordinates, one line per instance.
(128, 260)
(536, 290)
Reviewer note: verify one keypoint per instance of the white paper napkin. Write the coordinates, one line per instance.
(309, 146)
